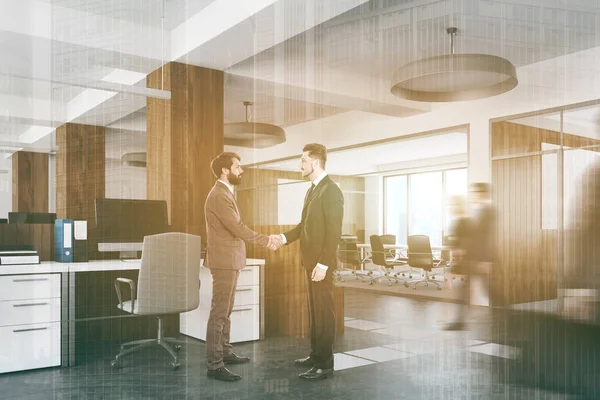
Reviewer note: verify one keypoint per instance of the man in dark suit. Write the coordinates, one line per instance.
(226, 256)
(319, 231)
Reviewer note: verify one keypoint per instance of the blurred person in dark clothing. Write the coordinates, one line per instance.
(477, 241)
(458, 235)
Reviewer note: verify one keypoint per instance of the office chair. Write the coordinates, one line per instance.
(168, 283)
(348, 253)
(360, 236)
(388, 239)
(420, 256)
(379, 257)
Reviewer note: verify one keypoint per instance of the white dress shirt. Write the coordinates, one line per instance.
(314, 182)
(230, 187)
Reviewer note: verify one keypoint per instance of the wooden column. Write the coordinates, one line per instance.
(184, 134)
(29, 182)
(80, 175)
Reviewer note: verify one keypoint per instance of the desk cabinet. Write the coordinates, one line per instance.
(246, 315)
(30, 327)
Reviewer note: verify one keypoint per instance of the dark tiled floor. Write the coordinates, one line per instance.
(433, 364)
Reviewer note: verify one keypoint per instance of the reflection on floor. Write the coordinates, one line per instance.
(392, 348)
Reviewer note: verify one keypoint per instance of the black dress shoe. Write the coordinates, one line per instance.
(235, 359)
(223, 374)
(314, 374)
(305, 362)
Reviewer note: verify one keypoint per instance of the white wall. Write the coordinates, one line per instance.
(124, 182)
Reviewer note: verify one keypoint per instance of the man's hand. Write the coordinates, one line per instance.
(274, 242)
(318, 274)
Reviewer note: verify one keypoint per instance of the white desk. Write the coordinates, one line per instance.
(37, 302)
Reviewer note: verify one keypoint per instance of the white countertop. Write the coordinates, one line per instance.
(46, 267)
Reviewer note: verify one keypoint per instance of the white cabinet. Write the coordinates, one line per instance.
(30, 328)
(246, 314)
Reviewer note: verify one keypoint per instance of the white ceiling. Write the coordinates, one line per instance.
(296, 60)
(145, 12)
(371, 159)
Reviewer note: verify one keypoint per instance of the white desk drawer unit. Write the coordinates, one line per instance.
(30, 327)
(26, 287)
(245, 317)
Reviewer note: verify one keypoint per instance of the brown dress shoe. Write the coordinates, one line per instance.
(235, 359)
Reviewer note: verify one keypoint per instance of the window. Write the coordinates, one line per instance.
(426, 204)
(415, 203)
(396, 201)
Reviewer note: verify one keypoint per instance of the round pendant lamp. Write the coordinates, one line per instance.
(252, 134)
(454, 77)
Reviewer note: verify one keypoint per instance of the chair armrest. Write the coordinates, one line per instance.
(131, 292)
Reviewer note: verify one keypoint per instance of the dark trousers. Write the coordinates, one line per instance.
(219, 322)
(322, 319)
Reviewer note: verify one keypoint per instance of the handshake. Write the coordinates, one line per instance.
(275, 242)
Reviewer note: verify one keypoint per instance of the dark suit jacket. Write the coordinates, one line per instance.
(225, 231)
(481, 248)
(320, 228)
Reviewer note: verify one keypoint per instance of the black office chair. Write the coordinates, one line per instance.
(379, 257)
(420, 256)
(348, 254)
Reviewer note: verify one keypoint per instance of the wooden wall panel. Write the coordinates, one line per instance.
(29, 182)
(526, 267)
(286, 302)
(80, 175)
(184, 134)
(527, 256)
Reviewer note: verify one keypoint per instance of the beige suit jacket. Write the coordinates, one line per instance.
(225, 231)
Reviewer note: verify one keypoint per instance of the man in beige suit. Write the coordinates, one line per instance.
(225, 256)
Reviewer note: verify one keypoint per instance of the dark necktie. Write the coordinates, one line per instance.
(309, 193)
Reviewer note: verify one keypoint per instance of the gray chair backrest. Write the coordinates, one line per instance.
(169, 279)
(419, 252)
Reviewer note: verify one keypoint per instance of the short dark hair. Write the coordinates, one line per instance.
(318, 151)
(223, 160)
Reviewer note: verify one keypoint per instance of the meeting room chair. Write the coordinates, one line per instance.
(388, 239)
(168, 283)
(420, 256)
(349, 254)
(379, 257)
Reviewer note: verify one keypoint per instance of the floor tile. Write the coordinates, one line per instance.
(497, 350)
(412, 347)
(379, 354)
(344, 361)
(473, 342)
(364, 325)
